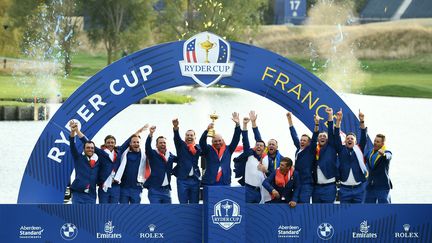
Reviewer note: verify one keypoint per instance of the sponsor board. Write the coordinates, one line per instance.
(406, 233)
(325, 231)
(68, 231)
(289, 231)
(364, 232)
(226, 214)
(108, 232)
(151, 233)
(30, 232)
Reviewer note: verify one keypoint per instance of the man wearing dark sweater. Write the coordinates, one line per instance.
(352, 169)
(283, 183)
(378, 163)
(187, 170)
(161, 164)
(304, 158)
(325, 164)
(218, 155)
(86, 168)
(131, 169)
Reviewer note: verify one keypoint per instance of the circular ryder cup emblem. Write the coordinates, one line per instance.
(325, 231)
(68, 231)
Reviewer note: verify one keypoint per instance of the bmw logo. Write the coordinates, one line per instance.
(68, 231)
(325, 231)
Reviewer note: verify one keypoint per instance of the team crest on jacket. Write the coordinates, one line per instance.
(226, 214)
(206, 59)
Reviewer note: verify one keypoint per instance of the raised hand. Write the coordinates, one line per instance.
(289, 117)
(175, 122)
(329, 112)
(253, 116)
(361, 116)
(152, 129)
(236, 118)
(339, 115)
(73, 128)
(316, 119)
(73, 125)
(210, 126)
(142, 129)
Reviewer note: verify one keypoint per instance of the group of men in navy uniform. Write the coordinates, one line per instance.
(321, 162)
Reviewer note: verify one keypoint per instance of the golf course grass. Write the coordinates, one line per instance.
(409, 77)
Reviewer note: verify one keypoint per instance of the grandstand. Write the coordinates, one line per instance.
(386, 10)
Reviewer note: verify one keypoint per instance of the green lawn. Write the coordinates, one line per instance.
(87, 65)
(84, 66)
(399, 84)
(411, 77)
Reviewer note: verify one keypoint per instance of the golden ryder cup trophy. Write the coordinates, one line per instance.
(207, 45)
(212, 132)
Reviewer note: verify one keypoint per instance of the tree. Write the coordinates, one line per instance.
(49, 29)
(112, 20)
(9, 36)
(180, 19)
(68, 23)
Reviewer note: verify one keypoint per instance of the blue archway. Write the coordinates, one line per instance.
(155, 69)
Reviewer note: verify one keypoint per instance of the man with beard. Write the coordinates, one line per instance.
(109, 168)
(187, 170)
(109, 190)
(304, 158)
(352, 169)
(131, 172)
(283, 183)
(161, 164)
(378, 162)
(325, 164)
(218, 155)
(272, 145)
(255, 166)
(87, 166)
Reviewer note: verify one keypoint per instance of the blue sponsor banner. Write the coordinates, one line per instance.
(100, 223)
(224, 214)
(183, 223)
(339, 223)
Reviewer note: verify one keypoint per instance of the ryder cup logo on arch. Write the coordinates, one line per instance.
(226, 214)
(206, 59)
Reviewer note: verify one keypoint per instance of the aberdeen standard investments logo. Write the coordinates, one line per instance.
(226, 214)
(30, 232)
(206, 59)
